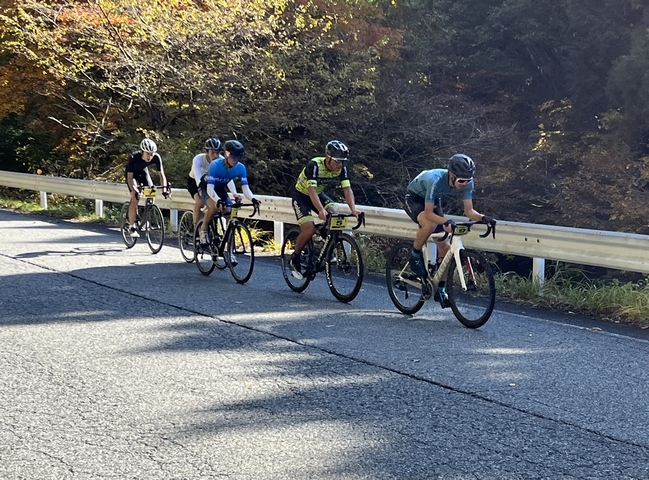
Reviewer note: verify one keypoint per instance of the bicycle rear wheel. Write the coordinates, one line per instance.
(155, 229)
(344, 268)
(295, 284)
(124, 226)
(203, 255)
(405, 288)
(474, 306)
(240, 253)
(186, 236)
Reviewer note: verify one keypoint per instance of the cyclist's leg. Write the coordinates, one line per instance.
(194, 192)
(303, 208)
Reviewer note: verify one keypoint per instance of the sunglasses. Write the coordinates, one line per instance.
(339, 160)
(463, 180)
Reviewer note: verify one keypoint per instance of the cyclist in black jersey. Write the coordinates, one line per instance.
(307, 195)
(137, 173)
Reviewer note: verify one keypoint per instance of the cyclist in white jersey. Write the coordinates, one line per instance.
(197, 178)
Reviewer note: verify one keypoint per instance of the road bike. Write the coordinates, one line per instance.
(464, 280)
(230, 246)
(331, 250)
(149, 222)
(186, 236)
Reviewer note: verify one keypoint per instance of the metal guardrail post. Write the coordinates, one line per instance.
(44, 200)
(278, 232)
(99, 208)
(173, 219)
(538, 270)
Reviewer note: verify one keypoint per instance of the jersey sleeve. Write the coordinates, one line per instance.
(242, 174)
(344, 177)
(157, 162)
(130, 163)
(311, 173)
(430, 192)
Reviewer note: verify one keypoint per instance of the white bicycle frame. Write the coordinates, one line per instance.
(453, 254)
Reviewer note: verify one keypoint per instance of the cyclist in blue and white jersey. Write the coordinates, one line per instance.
(423, 205)
(223, 171)
(197, 178)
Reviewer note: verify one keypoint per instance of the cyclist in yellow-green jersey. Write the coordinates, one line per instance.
(308, 196)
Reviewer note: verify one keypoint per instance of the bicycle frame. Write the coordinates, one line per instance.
(232, 224)
(329, 234)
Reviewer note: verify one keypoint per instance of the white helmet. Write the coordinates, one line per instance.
(148, 145)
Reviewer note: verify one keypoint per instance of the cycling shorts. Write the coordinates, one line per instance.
(303, 206)
(415, 204)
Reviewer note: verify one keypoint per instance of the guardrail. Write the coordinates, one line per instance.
(615, 250)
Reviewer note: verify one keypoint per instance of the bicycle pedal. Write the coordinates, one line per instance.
(426, 291)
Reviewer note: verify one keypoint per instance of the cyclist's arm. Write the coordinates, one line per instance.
(431, 216)
(470, 212)
(212, 193)
(349, 198)
(232, 187)
(315, 200)
(247, 192)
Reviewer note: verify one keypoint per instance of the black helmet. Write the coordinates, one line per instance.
(235, 148)
(212, 144)
(337, 149)
(461, 166)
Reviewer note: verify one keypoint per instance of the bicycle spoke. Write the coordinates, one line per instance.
(344, 268)
(203, 254)
(472, 306)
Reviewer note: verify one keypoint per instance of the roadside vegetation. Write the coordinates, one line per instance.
(567, 288)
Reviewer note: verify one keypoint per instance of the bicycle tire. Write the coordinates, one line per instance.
(295, 284)
(186, 236)
(240, 253)
(155, 229)
(404, 287)
(203, 255)
(124, 226)
(472, 307)
(344, 268)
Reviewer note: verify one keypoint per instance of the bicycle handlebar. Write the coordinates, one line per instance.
(361, 219)
(254, 205)
(491, 229)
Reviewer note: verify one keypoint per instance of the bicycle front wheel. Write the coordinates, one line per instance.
(405, 288)
(155, 229)
(240, 254)
(186, 236)
(203, 255)
(124, 226)
(473, 306)
(344, 268)
(295, 284)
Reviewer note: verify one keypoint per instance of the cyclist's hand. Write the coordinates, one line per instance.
(237, 198)
(355, 212)
(256, 202)
(166, 194)
(489, 220)
(136, 194)
(448, 226)
(322, 215)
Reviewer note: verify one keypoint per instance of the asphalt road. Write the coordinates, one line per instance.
(119, 364)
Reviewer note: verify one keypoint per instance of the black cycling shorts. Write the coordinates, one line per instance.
(415, 205)
(303, 206)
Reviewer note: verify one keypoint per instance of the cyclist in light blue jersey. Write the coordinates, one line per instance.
(423, 205)
(223, 171)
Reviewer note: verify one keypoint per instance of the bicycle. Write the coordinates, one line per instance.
(464, 281)
(331, 250)
(227, 247)
(149, 221)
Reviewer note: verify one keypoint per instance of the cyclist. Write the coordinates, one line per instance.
(423, 205)
(222, 172)
(197, 178)
(307, 195)
(137, 173)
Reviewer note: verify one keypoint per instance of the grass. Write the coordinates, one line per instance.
(568, 289)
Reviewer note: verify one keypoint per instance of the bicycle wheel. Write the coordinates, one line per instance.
(240, 253)
(344, 268)
(295, 284)
(155, 229)
(472, 307)
(219, 223)
(125, 227)
(186, 236)
(203, 255)
(404, 287)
